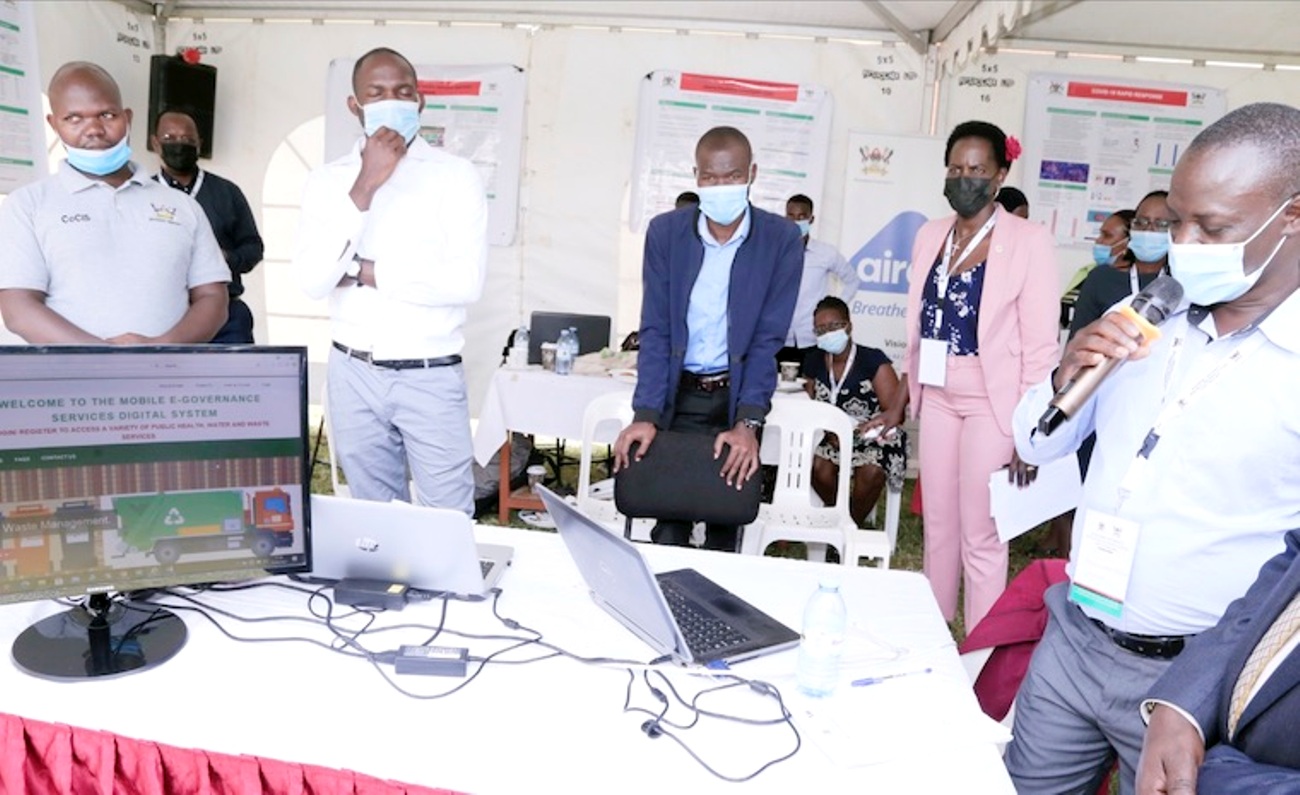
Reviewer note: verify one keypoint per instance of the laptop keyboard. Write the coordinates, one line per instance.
(702, 631)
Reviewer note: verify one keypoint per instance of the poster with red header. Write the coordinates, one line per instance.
(1094, 145)
(788, 126)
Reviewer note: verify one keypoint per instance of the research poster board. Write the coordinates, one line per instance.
(1094, 145)
(788, 126)
(475, 112)
(22, 137)
(893, 186)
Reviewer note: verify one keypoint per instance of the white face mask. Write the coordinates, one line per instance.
(1212, 273)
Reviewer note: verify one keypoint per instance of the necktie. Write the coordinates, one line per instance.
(1283, 627)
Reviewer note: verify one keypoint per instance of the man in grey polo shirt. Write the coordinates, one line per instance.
(99, 252)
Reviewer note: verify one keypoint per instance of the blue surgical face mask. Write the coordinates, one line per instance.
(804, 226)
(1213, 273)
(100, 162)
(1149, 246)
(1103, 255)
(723, 204)
(399, 115)
(833, 342)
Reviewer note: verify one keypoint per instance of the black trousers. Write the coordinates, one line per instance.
(704, 413)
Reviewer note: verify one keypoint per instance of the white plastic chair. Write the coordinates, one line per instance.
(612, 408)
(795, 513)
(340, 489)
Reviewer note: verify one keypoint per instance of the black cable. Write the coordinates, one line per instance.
(655, 727)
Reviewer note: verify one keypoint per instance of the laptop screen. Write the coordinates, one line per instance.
(593, 332)
(617, 575)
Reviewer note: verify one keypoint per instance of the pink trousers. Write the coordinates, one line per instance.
(961, 445)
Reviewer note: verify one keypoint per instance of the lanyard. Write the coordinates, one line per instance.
(1171, 410)
(947, 266)
(830, 372)
(1133, 286)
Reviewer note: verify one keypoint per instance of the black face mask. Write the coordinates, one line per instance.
(181, 158)
(968, 195)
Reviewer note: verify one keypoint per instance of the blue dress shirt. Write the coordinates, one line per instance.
(706, 313)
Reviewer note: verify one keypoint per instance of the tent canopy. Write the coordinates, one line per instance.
(1258, 31)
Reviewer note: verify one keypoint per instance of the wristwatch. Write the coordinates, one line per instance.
(754, 425)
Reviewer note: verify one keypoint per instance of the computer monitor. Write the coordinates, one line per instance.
(593, 332)
(124, 469)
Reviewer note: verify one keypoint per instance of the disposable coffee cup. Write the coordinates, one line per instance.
(535, 474)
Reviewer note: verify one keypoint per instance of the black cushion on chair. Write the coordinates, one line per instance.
(679, 480)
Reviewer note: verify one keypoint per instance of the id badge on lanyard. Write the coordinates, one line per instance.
(933, 365)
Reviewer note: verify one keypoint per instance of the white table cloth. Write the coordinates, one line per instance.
(555, 725)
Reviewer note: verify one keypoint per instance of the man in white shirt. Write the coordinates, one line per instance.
(821, 262)
(394, 233)
(1195, 479)
(99, 252)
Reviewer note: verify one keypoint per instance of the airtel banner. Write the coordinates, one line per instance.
(894, 184)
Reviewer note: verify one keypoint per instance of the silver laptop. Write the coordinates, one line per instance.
(428, 549)
(682, 614)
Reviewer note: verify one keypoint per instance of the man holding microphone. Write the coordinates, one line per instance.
(1196, 474)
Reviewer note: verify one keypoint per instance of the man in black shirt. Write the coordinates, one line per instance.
(176, 139)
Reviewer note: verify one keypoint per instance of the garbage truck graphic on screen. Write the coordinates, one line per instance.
(169, 525)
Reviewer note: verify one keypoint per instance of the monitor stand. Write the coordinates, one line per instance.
(105, 636)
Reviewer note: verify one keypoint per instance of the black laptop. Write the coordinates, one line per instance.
(593, 332)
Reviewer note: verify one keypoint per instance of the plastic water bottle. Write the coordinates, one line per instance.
(825, 623)
(518, 356)
(573, 341)
(563, 354)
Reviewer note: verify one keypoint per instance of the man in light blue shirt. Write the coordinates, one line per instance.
(706, 314)
(825, 272)
(1196, 474)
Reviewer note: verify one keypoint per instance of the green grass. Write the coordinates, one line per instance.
(907, 555)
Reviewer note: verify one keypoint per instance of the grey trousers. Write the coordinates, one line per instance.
(1077, 708)
(384, 422)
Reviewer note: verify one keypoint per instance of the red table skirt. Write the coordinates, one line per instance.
(50, 759)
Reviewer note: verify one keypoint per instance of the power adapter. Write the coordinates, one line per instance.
(370, 593)
(432, 660)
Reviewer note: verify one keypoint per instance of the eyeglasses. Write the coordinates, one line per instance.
(178, 139)
(829, 327)
(1151, 225)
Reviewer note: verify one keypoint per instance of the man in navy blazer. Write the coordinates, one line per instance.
(719, 283)
(1189, 704)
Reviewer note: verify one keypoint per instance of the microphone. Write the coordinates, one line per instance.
(1147, 310)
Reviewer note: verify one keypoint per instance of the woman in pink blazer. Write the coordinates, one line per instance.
(982, 327)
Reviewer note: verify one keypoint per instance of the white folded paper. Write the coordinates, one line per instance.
(1016, 511)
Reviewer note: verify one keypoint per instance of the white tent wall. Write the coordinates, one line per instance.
(1004, 105)
(109, 34)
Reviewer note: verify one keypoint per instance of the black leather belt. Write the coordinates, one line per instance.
(400, 364)
(707, 382)
(1163, 647)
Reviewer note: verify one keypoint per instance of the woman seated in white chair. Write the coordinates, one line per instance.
(861, 381)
